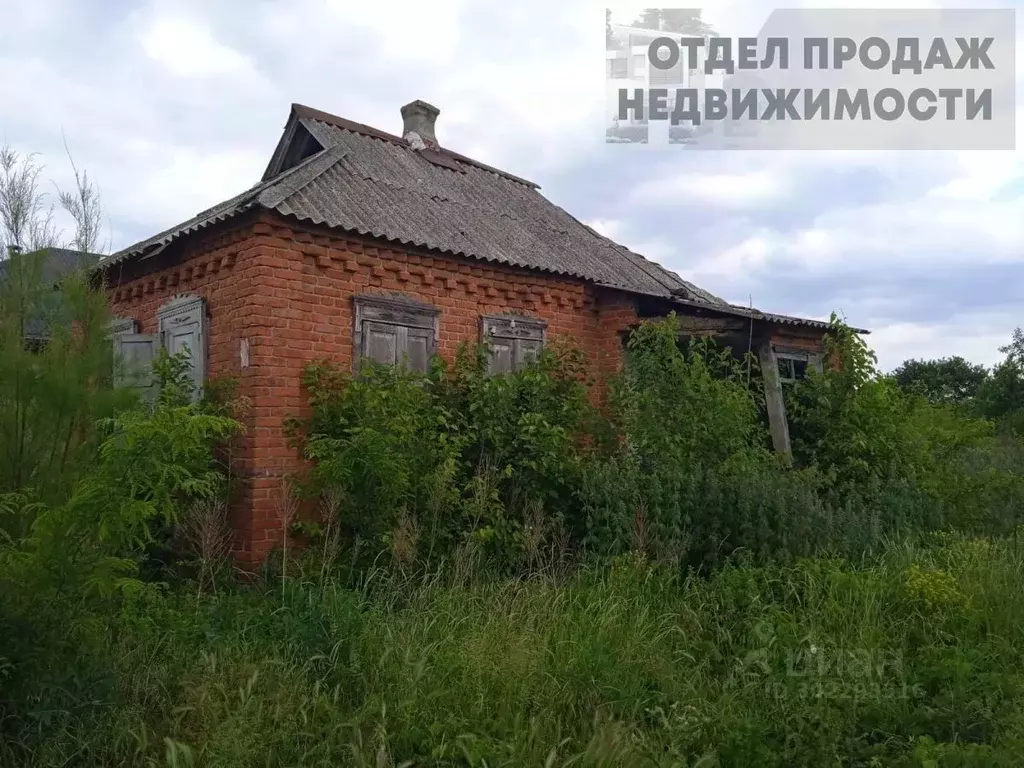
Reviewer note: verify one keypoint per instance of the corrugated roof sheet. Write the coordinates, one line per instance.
(369, 182)
(372, 183)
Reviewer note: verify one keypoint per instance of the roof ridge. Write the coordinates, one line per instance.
(311, 113)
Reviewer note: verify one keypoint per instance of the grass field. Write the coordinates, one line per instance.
(914, 660)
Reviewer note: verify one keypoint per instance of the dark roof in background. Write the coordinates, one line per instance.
(57, 263)
(330, 171)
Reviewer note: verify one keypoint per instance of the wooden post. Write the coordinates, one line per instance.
(774, 400)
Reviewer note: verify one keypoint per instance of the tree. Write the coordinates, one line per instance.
(650, 18)
(686, 21)
(1002, 396)
(55, 354)
(611, 43)
(1014, 351)
(26, 213)
(951, 380)
(26, 222)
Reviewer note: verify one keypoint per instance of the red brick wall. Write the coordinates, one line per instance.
(219, 267)
(287, 289)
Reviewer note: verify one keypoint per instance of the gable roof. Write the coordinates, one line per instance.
(331, 171)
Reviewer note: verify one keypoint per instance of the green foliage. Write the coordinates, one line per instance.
(536, 581)
(1002, 395)
(951, 380)
(55, 368)
(871, 439)
(448, 456)
(815, 662)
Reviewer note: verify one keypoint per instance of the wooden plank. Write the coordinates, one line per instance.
(776, 403)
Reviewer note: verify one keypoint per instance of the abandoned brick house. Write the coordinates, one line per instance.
(361, 243)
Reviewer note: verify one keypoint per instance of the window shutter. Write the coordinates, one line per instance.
(380, 342)
(182, 325)
(514, 341)
(133, 368)
(417, 349)
(529, 350)
(502, 355)
(395, 331)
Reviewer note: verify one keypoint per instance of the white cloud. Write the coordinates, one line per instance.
(518, 86)
(409, 30)
(610, 228)
(975, 337)
(181, 182)
(723, 190)
(187, 48)
(981, 176)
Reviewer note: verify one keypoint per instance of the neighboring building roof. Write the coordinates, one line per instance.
(57, 263)
(331, 171)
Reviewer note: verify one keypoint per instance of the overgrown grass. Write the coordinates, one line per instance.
(506, 575)
(897, 661)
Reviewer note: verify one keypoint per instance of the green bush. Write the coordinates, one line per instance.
(427, 462)
(537, 581)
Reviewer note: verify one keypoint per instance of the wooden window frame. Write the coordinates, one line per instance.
(514, 329)
(181, 310)
(396, 311)
(792, 355)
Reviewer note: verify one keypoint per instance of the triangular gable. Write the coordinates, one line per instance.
(295, 145)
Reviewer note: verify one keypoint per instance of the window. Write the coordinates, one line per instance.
(513, 341)
(181, 325)
(793, 365)
(672, 76)
(618, 68)
(395, 331)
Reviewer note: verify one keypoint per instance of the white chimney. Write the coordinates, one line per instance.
(418, 120)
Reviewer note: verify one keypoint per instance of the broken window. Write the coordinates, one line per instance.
(513, 341)
(395, 331)
(793, 365)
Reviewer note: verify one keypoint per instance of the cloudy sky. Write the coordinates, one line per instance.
(174, 106)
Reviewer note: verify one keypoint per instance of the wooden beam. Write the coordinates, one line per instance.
(776, 403)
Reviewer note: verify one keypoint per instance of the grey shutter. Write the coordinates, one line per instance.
(117, 327)
(395, 331)
(514, 341)
(501, 357)
(133, 361)
(380, 342)
(183, 327)
(418, 348)
(528, 351)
